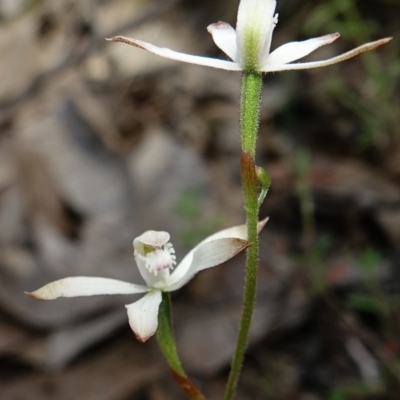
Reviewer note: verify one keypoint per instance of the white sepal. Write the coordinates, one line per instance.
(85, 286)
(174, 55)
(208, 255)
(179, 275)
(330, 61)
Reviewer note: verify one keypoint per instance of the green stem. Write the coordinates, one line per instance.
(250, 105)
(166, 341)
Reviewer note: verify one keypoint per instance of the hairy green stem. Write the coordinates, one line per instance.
(166, 341)
(250, 104)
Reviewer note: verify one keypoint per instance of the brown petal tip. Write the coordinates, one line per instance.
(32, 295)
(335, 36)
(383, 41)
(124, 39)
(141, 339)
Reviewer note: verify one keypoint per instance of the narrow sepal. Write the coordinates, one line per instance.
(208, 255)
(85, 286)
(316, 64)
(235, 232)
(174, 55)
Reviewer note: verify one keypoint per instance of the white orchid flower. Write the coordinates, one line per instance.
(249, 46)
(155, 258)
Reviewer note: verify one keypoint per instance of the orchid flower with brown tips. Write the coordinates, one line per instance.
(155, 258)
(249, 45)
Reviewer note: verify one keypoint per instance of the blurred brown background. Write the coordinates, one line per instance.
(100, 142)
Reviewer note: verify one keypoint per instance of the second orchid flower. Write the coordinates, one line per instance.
(155, 258)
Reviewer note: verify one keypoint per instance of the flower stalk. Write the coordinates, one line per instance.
(166, 341)
(250, 106)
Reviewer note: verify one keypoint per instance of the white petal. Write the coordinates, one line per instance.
(208, 255)
(295, 50)
(143, 315)
(174, 55)
(225, 38)
(238, 232)
(255, 22)
(85, 286)
(330, 61)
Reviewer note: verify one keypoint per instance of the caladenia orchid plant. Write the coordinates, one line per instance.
(156, 261)
(249, 49)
